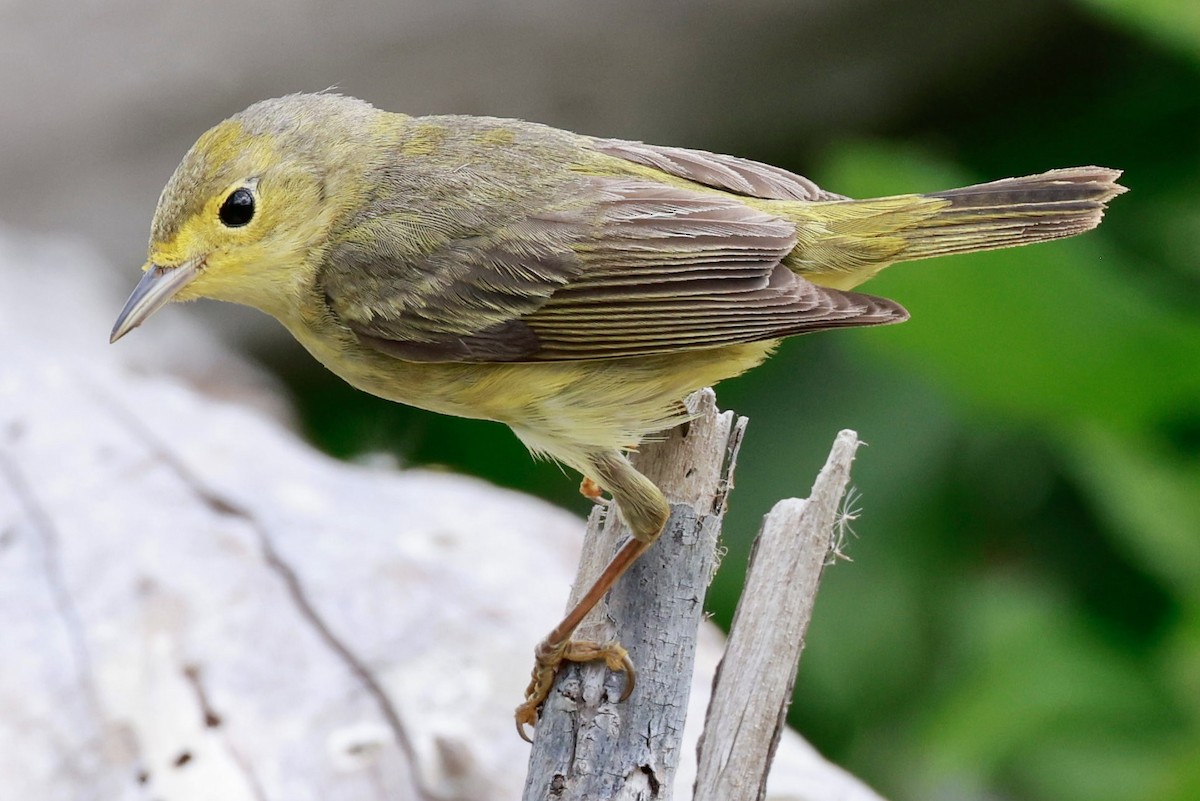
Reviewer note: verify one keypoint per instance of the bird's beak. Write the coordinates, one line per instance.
(158, 285)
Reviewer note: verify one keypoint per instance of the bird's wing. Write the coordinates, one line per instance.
(728, 173)
(629, 267)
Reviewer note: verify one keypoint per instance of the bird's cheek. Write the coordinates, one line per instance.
(235, 281)
(209, 283)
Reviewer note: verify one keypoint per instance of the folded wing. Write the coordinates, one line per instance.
(619, 267)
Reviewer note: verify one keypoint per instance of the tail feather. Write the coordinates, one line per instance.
(1013, 211)
(842, 243)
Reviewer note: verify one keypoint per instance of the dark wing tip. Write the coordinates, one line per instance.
(853, 310)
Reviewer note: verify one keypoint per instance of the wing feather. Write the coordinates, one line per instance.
(730, 173)
(618, 267)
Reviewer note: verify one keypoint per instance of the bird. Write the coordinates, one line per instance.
(575, 288)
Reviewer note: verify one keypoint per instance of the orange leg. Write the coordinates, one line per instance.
(645, 511)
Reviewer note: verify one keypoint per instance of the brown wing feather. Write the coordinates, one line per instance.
(464, 298)
(730, 173)
(673, 269)
(627, 267)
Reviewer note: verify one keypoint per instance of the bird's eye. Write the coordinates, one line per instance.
(238, 208)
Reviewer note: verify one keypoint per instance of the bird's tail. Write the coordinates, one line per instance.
(849, 241)
(1014, 211)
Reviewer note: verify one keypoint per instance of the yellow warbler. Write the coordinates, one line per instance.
(574, 288)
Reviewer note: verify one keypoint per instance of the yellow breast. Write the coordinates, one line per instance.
(564, 409)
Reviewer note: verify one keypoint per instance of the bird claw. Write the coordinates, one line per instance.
(526, 716)
(547, 661)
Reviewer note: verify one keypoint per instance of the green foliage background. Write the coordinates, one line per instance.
(1022, 615)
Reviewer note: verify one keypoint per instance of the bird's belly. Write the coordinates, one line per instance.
(560, 408)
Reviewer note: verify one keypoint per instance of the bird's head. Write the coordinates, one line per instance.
(247, 211)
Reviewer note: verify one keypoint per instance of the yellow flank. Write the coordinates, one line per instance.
(564, 410)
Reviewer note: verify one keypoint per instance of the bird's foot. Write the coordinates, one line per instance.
(548, 658)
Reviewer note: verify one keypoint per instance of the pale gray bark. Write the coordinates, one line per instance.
(753, 685)
(587, 744)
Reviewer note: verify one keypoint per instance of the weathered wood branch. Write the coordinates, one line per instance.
(753, 685)
(587, 745)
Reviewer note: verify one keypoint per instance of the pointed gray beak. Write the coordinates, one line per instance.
(158, 285)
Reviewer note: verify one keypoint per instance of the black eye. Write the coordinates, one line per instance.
(238, 208)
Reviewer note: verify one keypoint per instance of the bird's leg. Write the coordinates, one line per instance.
(645, 511)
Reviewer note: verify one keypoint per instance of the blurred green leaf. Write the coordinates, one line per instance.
(1151, 499)
(1035, 696)
(1090, 766)
(1179, 663)
(1171, 22)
